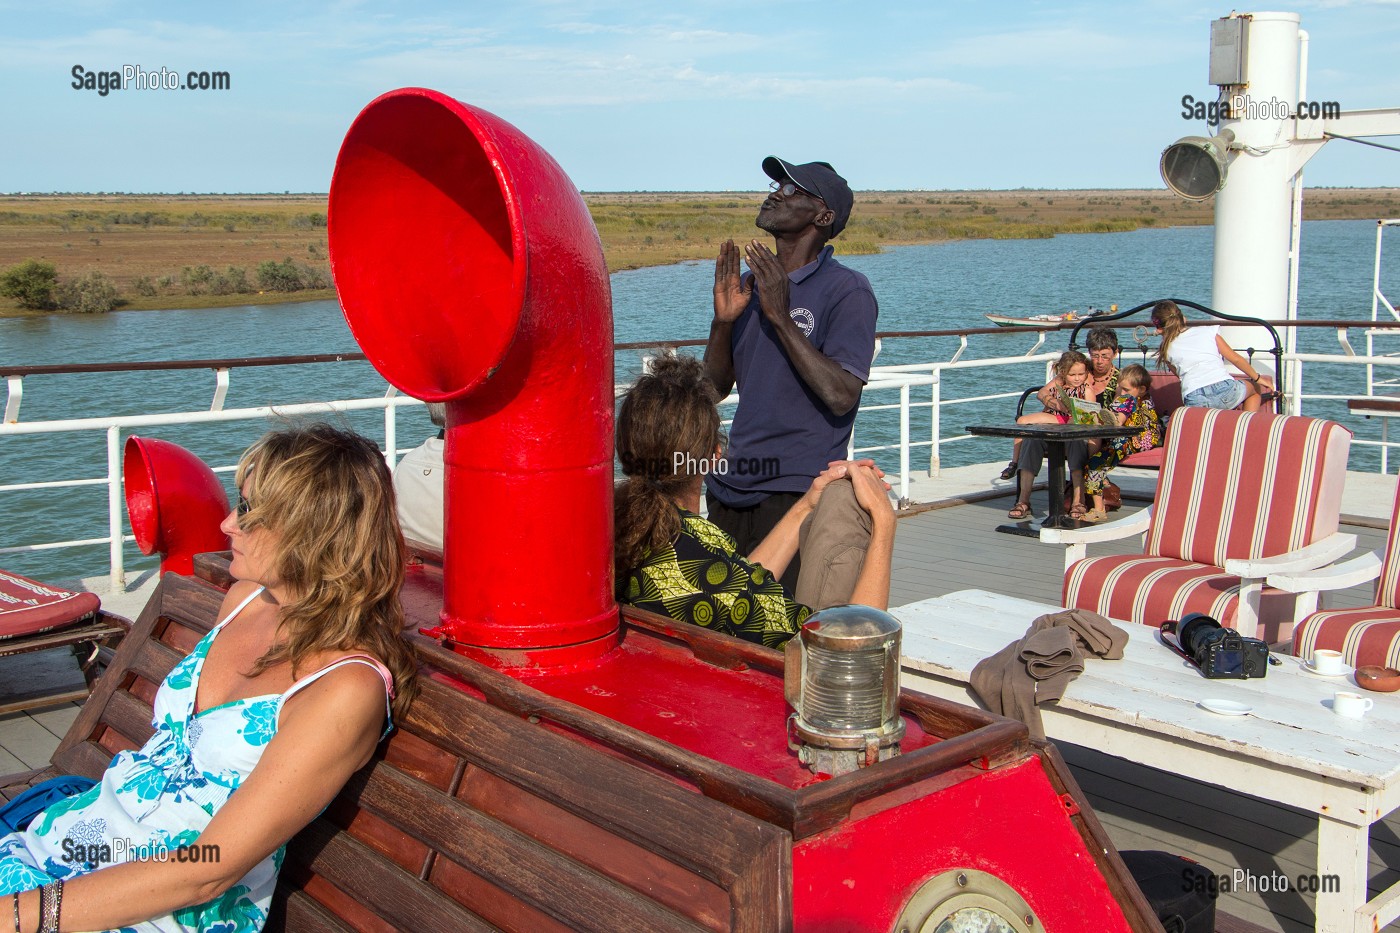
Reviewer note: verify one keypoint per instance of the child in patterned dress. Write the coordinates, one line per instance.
(1132, 407)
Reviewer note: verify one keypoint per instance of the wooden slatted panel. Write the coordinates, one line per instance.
(387, 891)
(388, 840)
(574, 895)
(15, 784)
(294, 910)
(597, 848)
(705, 837)
(181, 610)
(497, 906)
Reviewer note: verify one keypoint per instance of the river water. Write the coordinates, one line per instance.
(939, 286)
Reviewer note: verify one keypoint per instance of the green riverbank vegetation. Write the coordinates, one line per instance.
(103, 252)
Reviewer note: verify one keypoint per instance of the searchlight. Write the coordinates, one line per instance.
(1194, 166)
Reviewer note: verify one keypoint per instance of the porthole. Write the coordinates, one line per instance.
(966, 901)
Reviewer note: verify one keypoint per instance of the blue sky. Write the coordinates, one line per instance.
(632, 95)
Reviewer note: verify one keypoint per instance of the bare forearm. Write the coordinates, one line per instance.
(1235, 359)
(1049, 396)
(838, 389)
(127, 894)
(775, 551)
(719, 356)
(873, 585)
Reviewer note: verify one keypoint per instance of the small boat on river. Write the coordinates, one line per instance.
(1042, 320)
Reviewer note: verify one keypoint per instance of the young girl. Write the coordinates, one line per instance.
(1198, 356)
(1071, 375)
(1133, 407)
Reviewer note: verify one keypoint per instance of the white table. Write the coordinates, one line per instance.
(1293, 749)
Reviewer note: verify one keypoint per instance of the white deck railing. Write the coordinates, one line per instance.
(894, 393)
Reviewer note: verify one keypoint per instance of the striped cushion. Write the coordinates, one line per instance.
(1150, 590)
(1363, 636)
(28, 607)
(1388, 586)
(1246, 485)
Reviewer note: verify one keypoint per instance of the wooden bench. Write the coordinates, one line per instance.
(466, 820)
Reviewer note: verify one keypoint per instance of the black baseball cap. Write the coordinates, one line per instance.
(818, 178)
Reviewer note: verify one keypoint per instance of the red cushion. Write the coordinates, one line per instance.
(1151, 590)
(1145, 459)
(1166, 393)
(1244, 485)
(28, 606)
(1363, 636)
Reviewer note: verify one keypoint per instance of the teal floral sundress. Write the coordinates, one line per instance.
(160, 798)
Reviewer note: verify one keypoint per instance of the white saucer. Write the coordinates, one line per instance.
(1227, 707)
(1307, 666)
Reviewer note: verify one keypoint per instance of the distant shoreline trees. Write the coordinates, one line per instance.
(31, 284)
(35, 285)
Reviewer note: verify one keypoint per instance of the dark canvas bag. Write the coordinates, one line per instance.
(1181, 892)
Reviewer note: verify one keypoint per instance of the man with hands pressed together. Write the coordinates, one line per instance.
(797, 334)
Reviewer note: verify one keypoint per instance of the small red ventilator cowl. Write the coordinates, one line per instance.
(175, 502)
(470, 272)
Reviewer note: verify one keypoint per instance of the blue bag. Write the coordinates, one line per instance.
(20, 812)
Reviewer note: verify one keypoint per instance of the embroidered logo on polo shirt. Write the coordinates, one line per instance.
(805, 320)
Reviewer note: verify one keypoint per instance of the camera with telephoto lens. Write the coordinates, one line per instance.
(1219, 652)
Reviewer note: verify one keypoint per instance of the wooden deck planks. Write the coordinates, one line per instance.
(1143, 808)
(31, 737)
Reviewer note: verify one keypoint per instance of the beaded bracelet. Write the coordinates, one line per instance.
(50, 897)
(16, 912)
(46, 910)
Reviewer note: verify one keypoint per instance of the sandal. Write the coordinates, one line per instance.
(1020, 510)
(1077, 512)
(1010, 470)
(1094, 516)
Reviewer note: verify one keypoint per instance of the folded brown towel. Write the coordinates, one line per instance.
(1004, 687)
(1052, 660)
(1037, 668)
(1097, 635)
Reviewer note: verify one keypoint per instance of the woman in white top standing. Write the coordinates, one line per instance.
(1198, 357)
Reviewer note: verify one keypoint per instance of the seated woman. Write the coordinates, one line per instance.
(1198, 357)
(260, 726)
(1132, 407)
(671, 561)
(1102, 384)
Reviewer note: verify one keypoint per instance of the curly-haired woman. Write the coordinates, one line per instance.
(672, 561)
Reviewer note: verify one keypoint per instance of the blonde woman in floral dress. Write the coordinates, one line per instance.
(258, 728)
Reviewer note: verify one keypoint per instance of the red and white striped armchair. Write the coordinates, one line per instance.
(1369, 635)
(1240, 496)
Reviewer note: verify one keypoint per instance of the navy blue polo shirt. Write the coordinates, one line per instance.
(783, 435)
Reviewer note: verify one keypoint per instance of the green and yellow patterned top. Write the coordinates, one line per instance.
(701, 578)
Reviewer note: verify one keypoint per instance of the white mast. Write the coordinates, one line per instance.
(1259, 78)
(1258, 60)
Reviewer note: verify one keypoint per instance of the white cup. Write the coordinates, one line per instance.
(1351, 705)
(1327, 661)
